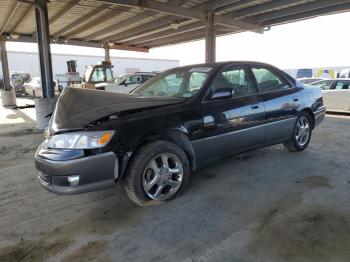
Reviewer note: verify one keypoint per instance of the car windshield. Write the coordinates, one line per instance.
(179, 82)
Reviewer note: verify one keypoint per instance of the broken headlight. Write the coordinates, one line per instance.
(80, 140)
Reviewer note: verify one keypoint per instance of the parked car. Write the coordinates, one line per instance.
(308, 80)
(323, 84)
(33, 87)
(337, 96)
(126, 83)
(176, 123)
(18, 80)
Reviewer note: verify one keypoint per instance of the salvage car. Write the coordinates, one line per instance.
(176, 123)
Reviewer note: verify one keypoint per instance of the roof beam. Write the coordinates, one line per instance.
(60, 13)
(261, 8)
(29, 39)
(121, 25)
(310, 14)
(298, 9)
(129, 48)
(81, 20)
(29, 9)
(112, 14)
(164, 23)
(64, 10)
(213, 5)
(188, 38)
(169, 32)
(9, 18)
(142, 30)
(189, 13)
(196, 32)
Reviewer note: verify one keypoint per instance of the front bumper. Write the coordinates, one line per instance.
(95, 172)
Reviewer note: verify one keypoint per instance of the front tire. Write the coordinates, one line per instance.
(301, 134)
(158, 172)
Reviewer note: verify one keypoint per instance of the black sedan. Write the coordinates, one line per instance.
(178, 122)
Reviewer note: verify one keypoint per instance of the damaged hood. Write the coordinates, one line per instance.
(77, 107)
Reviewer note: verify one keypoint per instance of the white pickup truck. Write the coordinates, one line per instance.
(125, 83)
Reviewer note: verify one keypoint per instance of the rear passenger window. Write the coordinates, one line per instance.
(237, 80)
(268, 81)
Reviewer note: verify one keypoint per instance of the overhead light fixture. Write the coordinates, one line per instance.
(175, 25)
(110, 44)
(14, 36)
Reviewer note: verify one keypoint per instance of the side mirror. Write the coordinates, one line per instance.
(222, 93)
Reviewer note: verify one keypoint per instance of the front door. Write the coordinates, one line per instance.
(233, 124)
(281, 102)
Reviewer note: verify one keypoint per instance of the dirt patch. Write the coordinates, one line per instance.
(29, 250)
(100, 223)
(16, 149)
(88, 252)
(314, 181)
(302, 233)
(20, 132)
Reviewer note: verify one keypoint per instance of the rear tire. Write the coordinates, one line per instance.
(158, 172)
(302, 132)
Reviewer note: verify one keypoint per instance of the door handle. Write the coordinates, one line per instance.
(255, 106)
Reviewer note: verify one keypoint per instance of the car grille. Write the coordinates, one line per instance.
(44, 179)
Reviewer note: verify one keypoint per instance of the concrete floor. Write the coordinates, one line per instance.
(267, 205)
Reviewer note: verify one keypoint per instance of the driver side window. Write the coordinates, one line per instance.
(237, 79)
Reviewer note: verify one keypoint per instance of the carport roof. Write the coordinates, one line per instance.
(142, 24)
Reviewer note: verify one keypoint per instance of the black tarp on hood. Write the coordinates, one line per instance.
(77, 107)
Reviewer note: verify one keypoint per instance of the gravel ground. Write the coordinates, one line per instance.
(266, 205)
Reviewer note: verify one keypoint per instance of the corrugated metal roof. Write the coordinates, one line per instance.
(124, 22)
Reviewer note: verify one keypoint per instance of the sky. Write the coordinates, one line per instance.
(318, 42)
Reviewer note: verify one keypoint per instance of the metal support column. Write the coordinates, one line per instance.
(46, 105)
(43, 38)
(107, 55)
(210, 39)
(5, 67)
(8, 95)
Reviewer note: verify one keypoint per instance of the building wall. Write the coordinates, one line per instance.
(29, 62)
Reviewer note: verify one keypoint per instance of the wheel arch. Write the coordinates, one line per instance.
(174, 135)
(311, 114)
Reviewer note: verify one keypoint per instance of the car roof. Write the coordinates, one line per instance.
(220, 64)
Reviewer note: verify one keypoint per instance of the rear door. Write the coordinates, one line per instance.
(281, 103)
(233, 124)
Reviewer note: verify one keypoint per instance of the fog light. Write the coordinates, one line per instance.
(73, 180)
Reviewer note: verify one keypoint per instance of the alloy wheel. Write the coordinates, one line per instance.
(162, 176)
(302, 132)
